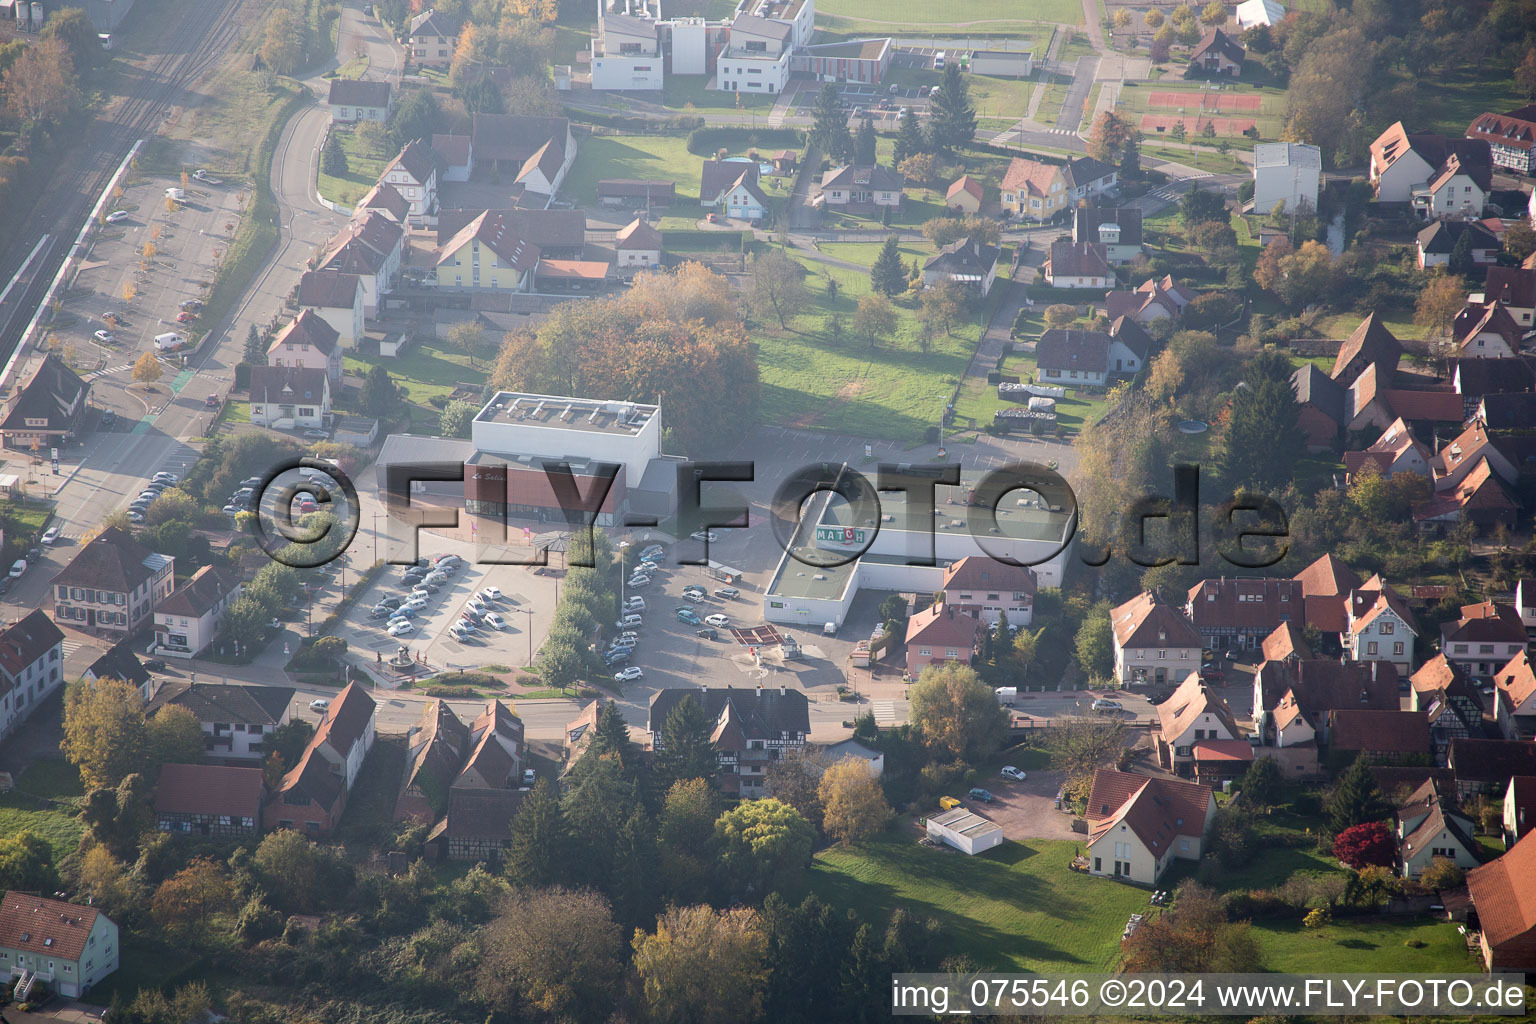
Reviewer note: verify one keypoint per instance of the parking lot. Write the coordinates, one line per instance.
(146, 291)
(1027, 809)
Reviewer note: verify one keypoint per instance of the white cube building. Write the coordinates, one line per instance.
(1286, 171)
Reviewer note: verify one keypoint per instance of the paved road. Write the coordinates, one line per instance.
(1083, 75)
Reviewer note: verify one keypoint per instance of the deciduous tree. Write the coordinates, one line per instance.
(184, 901)
(555, 949)
(40, 85)
(26, 864)
(953, 711)
(147, 369)
(703, 965)
(855, 807)
(105, 734)
(874, 318)
(1520, 239)
(1439, 301)
(765, 843)
(1109, 136)
(282, 42)
(1366, 845)
(174, 736)
(777, 286)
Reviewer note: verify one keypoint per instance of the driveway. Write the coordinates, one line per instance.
(1027, 810)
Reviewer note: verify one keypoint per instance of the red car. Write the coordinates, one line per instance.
(1214, 675)
(185, 317)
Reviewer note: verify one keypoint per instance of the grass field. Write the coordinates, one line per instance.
(814, 379)
(60, 827)
(425, 372)
(363, 170)
(663, 157)
(1013, 907)
(1366, 944)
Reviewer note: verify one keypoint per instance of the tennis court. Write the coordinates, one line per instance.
(1205, 101)
(1161, 124)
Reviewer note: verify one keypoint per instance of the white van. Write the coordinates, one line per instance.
(829, 629)
(18, 567)
(178, 194)
(938, 61)
(634, 604)
(169, 341)
(627, 622)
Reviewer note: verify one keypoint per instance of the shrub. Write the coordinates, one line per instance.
(1415, 943)
(1306, 804)
(1317, 918)
(1442, 873)
(1367, 845)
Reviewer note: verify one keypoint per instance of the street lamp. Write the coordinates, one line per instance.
(623, 547)
(528, 612)
(376, 538)
(942, 408)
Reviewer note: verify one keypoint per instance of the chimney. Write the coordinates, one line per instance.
(759, 691)
(783, 691)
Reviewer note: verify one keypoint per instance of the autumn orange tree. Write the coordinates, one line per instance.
(40, 86)
(184, 902)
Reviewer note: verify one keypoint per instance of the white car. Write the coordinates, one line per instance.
(402, 628)
(169, 479)
(1105, 704)
(495, 621)
(51, 536)
(206, 178)
(629, 675)
(416, 601)
(117, 215)
(709, 535)
(1010, 772)
(135, 516)
(491, 593)
(646, 566)
(319, 705)
(717, 620)
(105, 337)
(477, 606)
(693, 596)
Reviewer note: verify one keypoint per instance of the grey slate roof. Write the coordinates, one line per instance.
(759, 714)
(226, 702)
(1314, 387)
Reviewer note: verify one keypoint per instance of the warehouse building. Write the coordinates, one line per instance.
(965, 830)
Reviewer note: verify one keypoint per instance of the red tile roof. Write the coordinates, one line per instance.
(51, 928)
(1401, 732)
(345, 720)
(1223, 750)
(1516, 682)
(25, 641)
(1157, 810)
(1371, 343)
(1146, 620)
(1191, 700)
(965, 183)
(978, 573)
(1252, 603)
(1030, 177)
(1504, 893)
(1285, 642)
(209, 789)
(941, 626)
(1486, 622)
(1325, 587)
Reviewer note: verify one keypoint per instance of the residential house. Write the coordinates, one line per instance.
(538, 150)
(1503, 895)
(313, 794)
(937, 636)
(965, 261)
(113, 585)
(1286, 172)
(487, 253)
(1370, 344)
(372, 247)
(1117, 229)
(1429, 825)
(1437, 242)
(571, 276)
(1457, 190)
(65, 946)
(1191, 715)
(289, 397)
(752, 729)
(1485, 766)
(1286, 643)
(455, 157)
(1072, 356)
(1236, 613)
(414, 174)
(1077, 265)
(433, 37)
(1507, 411)
(1130, 347)
(1321, 403)
(1380, 736)
(636, 192)
(45, 411)
(985, 588)
(1322, 685)
(872, 760)
(1515, 287)
(1216, 54)
(1474, 379)
(355, 99)
(477, 825)
(337, 299)
(1395, 451)
(1519, 808)
(559, 234)
(1217, 761)
(1525, 602)
(1381, 626)
(238, 720)
(31, 667)
(856, 60)
(1457, 459)
(638, 246)
(436, 746)
(1514, 698)
(1479, 497)
(580, 730)
(1137, 825)
(1402, 161)
(1325, 588)
(309, 341)
(1490, 333)
(386, 199)
(731, 187)
(186, 622)
(1035, 190)
(1154, 641)
(210, 801)
(1443, 692)
(1085, 177)
(965, 195)
(862, 188)
(756, 55)
(1153, 299)
(625, 54)
(1510, 137)
(121, 663)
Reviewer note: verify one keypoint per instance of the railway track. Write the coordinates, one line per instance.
(196, 41)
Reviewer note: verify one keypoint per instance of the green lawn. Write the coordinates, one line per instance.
(977, 400)
(691, 93)
(424, 372)
(1462, 94)
(660, 157)
(1016, 907)
(363, 170)
(52, 778)
(1366, 945)
(812, 379)
(370, 812)
(60, 827)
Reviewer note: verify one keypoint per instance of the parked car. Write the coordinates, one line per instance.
(693, 596)
(466, 626)
(319, 705)
(706, 634)
(729, 593)
(185, 317)
(251, 481)
(618, 657)
(686, 615)
(1104, 705)
(709, 535)
(391, 602)
(491, 593)
(105, 337)
(317, 435)
(948, 803)
(117, 216)
(155, 665)
(624, 641)
(1214, 676)
(50, 536)
(1010, 772)
(206, 178)
(628, 621)
(646, 566)
(639, 580)
(169, 479)
(693, 588)
(529, 778)
(634, 604)
(718, 620)
(652, 553)
(194, 305)
(982, 795)
(401, 628)
(379, 612)
(629, 675)
(134, 516)
(405, 611)
(495, 621)
(417, 601)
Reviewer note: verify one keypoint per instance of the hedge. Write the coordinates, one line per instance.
(637, 125)
(257, 236)
(696, 241)
(704, 141)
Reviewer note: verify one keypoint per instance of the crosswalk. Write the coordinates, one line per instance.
(1061, 131)
(108, 371)
(70, 647)
(884, 712)
(1172, 189)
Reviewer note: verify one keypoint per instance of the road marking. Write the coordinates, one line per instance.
(884, 712)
